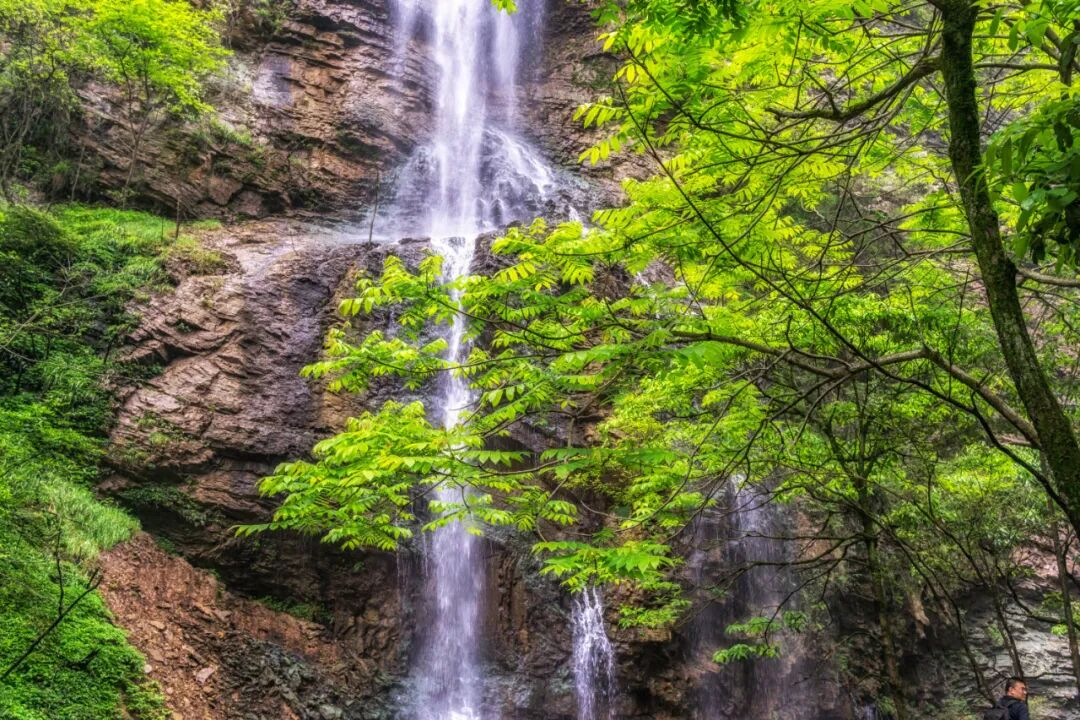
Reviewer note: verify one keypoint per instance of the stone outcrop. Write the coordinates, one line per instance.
(216, 655)
(940, 670)
(320, 107)
(226, 405)
(314, 115)
(308, 115)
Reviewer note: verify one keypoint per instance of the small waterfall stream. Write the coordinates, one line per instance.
(745, 528)
(474, 175)
(594, 658)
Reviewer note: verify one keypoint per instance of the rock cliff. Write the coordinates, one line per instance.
(314, 125)
(316, 112)
(226, 406)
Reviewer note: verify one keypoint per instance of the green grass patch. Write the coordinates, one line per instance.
(197, 259)
(69, 278)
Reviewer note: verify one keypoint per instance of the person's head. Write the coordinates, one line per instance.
(1016, 688)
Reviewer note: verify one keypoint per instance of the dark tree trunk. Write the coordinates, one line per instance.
(1057, 438)
(1062, 542)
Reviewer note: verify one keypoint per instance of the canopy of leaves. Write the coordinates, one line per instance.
(790, 305)
(159, 50)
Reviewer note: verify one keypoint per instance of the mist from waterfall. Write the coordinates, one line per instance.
(475, 174)
(593, 658)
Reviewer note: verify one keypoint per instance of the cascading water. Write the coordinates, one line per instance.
(475, 175)
(594, 658)
(449, 677)
(743, 531)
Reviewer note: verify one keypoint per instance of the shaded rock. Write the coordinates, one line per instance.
(314, 116)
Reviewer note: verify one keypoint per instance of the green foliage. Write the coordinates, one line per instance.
(759, 633)
(169, 498)
(1035, 162)
(37, 66)
(312, 612)
(197, 259)
(789, 308)
(70, 275)
(63, 299)
(357, 493)
(158, 51)
(53, 683)
(159, 54)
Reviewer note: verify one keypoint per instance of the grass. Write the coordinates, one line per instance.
(69, 278)
(197, 259)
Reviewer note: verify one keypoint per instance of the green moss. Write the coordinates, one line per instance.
(84, 669)
(197, 259)
(69, 276)
(313, 612)
(168, 497)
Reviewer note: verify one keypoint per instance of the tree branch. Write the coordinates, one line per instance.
(921, 69)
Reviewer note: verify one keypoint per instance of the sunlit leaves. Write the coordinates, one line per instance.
(1035, 164)
(358, 491)
(779, 308)
(160, 51)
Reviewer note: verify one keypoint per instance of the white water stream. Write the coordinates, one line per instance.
(593, 658)
(476, 174)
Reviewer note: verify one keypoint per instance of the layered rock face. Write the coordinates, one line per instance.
(315, 124)
(228, 404)
(308, 116)
(316, 112)
(217, 655)
(333, 107)
(190, 446)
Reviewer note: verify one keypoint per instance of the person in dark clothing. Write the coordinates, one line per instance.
(1015, 699)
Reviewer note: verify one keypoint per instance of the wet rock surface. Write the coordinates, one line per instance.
(315, 115)
(315, 123)
(225, 407)
(940, 670)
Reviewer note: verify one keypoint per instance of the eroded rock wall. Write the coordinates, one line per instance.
(226, 405)
(315, 114)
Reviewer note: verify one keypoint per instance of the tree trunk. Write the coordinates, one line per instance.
(1006, 631)
(1061, 554)
(1057, 439)
(888, 646)
(889, 656)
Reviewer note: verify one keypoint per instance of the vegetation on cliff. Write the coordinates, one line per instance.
(156, 54)
(69, 275)
(850, 289)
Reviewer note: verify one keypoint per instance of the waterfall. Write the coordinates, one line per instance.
(593, 658)
(475, 174)
(743, 529)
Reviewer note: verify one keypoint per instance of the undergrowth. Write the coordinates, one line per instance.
(69, 277)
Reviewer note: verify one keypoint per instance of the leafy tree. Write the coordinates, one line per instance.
(159, 52)
(827, 291)
(36, 72)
